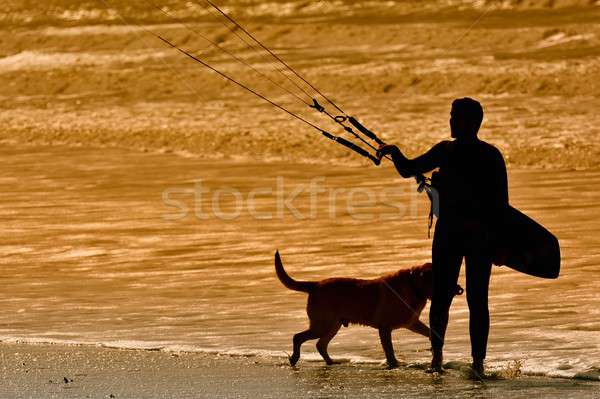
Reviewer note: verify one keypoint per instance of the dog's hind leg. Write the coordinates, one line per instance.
(418, 327)
(385, 335)
(324, 341)
(299, 339)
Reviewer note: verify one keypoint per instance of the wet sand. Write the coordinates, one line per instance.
(49, 371)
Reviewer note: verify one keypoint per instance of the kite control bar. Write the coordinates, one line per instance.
(364, 130)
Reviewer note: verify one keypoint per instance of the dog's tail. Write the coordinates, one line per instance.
(304, 286)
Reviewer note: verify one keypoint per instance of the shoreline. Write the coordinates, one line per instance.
(500, 371)
(50, 370)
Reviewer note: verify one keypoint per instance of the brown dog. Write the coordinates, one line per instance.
(386, 303)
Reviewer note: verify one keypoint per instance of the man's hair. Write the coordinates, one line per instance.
(470, 109)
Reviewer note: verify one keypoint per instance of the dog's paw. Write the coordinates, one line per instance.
(293, 359)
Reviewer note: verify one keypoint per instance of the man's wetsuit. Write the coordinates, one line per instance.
(473, 192)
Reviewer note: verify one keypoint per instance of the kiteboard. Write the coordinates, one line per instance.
(526, 246)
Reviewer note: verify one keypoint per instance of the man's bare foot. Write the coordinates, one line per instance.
(392, 364)
(477, 369)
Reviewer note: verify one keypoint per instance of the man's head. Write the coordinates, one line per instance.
(465, 118)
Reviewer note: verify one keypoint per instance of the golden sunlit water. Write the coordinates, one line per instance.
(143, 196)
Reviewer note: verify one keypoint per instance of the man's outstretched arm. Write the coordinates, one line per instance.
(412, 167)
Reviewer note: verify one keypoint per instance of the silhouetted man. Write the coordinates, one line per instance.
(473, 192)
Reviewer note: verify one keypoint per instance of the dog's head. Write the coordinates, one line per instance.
(423, 278)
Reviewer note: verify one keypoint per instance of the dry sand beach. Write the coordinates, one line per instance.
(118, 275)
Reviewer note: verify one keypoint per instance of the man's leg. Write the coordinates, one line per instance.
(478, 272)
(446, 259)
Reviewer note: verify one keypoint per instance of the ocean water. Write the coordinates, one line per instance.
(134, 250)
(89, 74)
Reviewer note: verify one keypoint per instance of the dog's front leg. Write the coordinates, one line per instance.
(385, 335)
